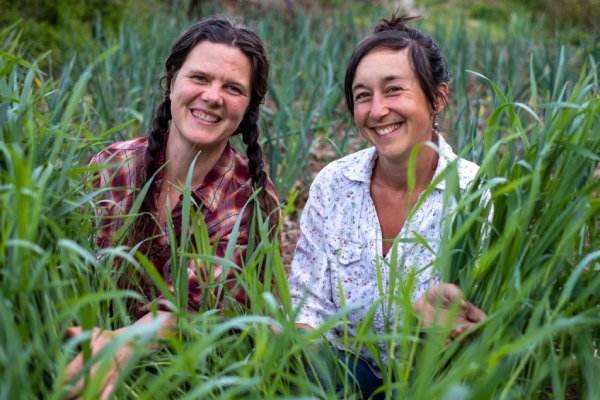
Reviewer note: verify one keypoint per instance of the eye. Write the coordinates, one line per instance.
(199, 78)
(233, 89)
(361, 96)
(393, 89)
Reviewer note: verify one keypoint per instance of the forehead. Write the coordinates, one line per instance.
(219, 59)
(386, 63)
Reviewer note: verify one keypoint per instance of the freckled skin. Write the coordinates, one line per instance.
(387, 97)
(209, 97)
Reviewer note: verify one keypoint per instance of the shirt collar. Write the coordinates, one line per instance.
(446, 157)
(364, 161)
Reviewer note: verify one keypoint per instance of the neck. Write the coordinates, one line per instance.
(394, 174)
(179, 162)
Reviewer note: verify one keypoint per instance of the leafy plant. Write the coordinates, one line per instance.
(529, 116)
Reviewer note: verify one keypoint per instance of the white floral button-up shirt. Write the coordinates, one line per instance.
(341, 244)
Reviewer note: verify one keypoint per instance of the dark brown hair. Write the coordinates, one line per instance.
(218, 30)
(427, 61)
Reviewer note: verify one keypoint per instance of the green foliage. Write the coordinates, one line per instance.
(529, 115)
(49, 24)
(45, 256)
(581, 14)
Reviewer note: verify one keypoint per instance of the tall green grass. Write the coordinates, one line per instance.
(529, 116)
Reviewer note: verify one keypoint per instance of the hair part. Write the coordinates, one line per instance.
(427, 60)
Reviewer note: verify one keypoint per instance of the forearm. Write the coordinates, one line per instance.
(304, 326)
(167, 318)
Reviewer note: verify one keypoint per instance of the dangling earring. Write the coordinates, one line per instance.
(436, 125)
(435, 138)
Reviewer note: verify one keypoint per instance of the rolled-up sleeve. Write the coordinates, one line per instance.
(310, 282)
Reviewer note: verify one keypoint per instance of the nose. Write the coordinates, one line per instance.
(379, 107)
(211, 95)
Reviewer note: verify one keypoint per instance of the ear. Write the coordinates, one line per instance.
(442, 100)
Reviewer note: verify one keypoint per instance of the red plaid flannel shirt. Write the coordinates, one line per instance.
(221, 197)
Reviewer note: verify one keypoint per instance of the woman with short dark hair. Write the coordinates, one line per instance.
(396, 86)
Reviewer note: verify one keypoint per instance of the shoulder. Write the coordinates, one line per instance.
(235, 163)
(466, 169)
(348, 170)
(118, 164)
(121, 152)
(466, 172)
(242, 175)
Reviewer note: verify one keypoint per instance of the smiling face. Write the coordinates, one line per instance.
(209, 97)
(390, 109)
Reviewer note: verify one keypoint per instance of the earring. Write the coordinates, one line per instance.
(436, 124)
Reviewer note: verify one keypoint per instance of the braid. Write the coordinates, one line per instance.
(218, 30)
(266, 203)
(157, 138)
(144, 224)
(254, 151)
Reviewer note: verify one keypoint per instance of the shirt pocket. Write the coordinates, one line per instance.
(344, 252)
(353, 280)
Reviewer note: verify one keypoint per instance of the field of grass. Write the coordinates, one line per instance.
(525, 106)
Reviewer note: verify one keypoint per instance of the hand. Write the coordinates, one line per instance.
(441, 302)
(157, 325)
(98, 341)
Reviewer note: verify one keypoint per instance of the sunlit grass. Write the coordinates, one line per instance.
(529, 115)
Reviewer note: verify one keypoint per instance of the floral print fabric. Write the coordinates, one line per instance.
(338, 259)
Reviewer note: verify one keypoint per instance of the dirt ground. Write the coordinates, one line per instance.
(321, 154)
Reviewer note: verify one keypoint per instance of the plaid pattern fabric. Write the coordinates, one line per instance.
(220, 198)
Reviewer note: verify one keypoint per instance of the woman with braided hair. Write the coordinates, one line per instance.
(215, 80)
(365, 216)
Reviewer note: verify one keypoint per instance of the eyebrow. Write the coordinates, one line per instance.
(197, 71)
(386, 80)
(201, 72)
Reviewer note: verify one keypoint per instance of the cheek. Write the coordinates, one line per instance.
(239, 109)
(360, 114)
(181, 93)
(360, 121)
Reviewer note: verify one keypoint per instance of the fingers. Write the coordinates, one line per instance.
(450, 293)
(74, 367)
(444, 305)
(468, 316)
(109, 386)
(74, 331)
(107, 373)
(109, 378)
(77, 364)
(473, 313)
(458, 331)
(443, 295)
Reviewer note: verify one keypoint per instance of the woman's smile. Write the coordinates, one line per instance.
(391, 110)
(204, 116)
(386, 130)
(209, 97)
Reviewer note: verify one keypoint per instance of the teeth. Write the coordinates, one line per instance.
(204, 116)
(386, 130)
